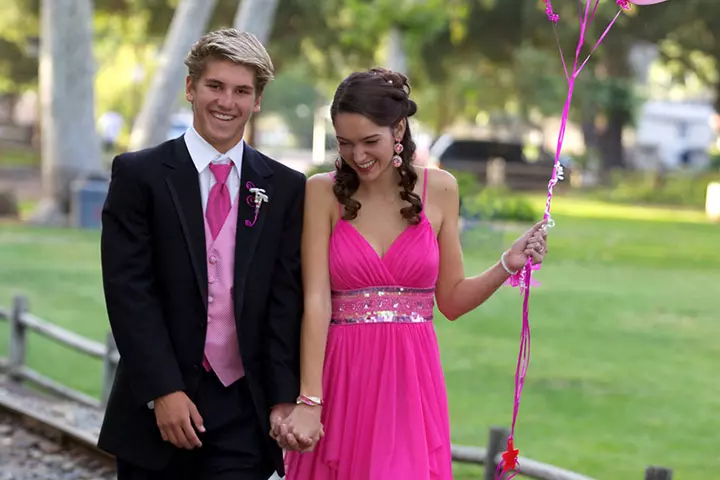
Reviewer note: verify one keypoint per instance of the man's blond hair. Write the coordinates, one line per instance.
(231, 44)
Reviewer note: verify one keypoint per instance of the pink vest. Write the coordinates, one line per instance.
(222, 350)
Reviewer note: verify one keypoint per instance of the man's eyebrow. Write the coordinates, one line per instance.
(220, 82)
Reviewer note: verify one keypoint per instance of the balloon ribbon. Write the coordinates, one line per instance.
(523, 278)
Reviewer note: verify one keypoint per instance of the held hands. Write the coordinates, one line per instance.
(176, 414)
(278, 415)
(532, 244)
(296, 428)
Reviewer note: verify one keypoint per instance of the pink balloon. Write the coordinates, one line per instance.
(647, 2)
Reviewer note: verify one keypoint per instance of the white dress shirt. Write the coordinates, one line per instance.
(202, 154)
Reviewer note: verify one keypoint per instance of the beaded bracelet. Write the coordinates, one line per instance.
(504, 265)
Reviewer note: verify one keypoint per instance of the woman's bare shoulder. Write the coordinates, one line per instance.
(439, 181)
(321, 183)
(319, 189)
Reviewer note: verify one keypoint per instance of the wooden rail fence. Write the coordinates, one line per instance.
(21, 321)
(497, 172)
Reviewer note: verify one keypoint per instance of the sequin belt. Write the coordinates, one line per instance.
(382, 305)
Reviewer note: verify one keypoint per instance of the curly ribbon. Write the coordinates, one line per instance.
(523, 278)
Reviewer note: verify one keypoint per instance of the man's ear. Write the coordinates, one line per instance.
(189, 89)
(258, 103)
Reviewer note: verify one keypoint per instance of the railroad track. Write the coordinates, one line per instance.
(44, 439)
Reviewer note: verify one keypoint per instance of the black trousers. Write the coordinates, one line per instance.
(234, 447)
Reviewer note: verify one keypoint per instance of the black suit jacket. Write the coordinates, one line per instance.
(155, 279)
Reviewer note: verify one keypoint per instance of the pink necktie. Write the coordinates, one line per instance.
(218, 204)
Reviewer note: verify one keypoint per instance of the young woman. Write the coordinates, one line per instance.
(380, 246)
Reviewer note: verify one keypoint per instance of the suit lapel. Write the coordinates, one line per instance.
(184, 188)
(255, 173)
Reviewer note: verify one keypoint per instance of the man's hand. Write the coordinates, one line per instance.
(278, 414)
(175, 414)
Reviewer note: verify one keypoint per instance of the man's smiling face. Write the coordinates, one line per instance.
(223, 99)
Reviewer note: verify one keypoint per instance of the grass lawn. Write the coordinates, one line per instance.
(624, 335)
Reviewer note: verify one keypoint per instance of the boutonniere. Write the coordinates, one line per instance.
(255, 200)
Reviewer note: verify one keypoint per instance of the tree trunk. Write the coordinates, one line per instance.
(589, 130)
(617, 113)
(153, 122)
(70, 144)
(396, 56)
(256, 17)
(610, 141)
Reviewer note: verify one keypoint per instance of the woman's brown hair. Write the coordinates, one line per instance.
(383, 97)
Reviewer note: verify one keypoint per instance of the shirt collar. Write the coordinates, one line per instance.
(202, 153)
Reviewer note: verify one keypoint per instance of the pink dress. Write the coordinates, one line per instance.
(385, 409)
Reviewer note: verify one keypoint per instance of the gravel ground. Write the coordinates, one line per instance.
(72, 414)
(27, 454)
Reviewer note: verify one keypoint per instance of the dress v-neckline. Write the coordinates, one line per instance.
(381, 258)
(392, 244)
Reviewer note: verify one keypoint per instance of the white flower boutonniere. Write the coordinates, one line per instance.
(255, 199)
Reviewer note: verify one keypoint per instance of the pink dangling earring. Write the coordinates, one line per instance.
(338, 163)
(396, 159)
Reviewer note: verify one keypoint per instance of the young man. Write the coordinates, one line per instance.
(202, 282)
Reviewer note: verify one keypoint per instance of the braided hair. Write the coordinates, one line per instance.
(383, 97)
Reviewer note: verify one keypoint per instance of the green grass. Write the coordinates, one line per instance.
(624, 337)
(59, 272)
(624, 346)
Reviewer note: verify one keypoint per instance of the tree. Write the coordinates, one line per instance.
(18, 47)
(604, 98)
(689, 29)
(337, 37)
(70, 147)
(153, 122)
(256, 17)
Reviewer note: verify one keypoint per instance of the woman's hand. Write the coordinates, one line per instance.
(531, 244)
(301, 430)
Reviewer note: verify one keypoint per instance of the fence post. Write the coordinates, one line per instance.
(496, 445)
(658, 473)
(18, 340)
(495, 172)
(109, 367)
